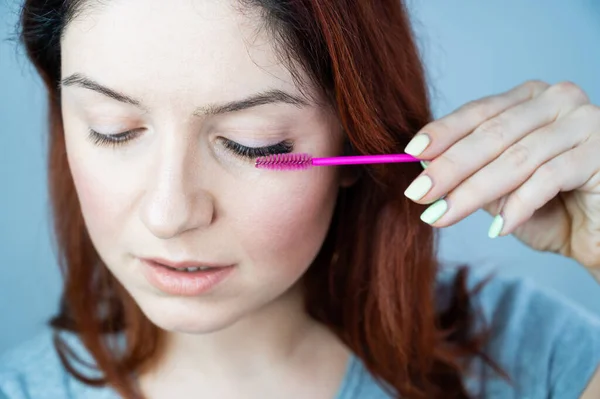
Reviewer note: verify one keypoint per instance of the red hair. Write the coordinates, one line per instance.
(373, 282)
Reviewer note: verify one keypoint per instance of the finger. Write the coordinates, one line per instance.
(508, 138)
(563, 173)
(574, 169)
(514, 166)
(438, 135)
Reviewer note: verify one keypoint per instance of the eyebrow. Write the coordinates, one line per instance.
(266, 97)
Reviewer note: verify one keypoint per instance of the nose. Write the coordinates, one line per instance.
(175, 201)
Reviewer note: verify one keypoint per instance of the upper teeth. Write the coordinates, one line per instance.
(193, 269)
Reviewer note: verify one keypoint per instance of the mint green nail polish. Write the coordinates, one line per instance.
(434, 212)
(425, 164)
(496, 227)
(417, 145)
(418, 188)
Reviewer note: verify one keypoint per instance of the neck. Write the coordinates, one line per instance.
(278, 334)
(278, 349)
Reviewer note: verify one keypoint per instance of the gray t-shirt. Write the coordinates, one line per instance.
(549, 346)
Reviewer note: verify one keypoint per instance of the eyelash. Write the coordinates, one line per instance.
(115, 140)
(283, 147)
(112, 140)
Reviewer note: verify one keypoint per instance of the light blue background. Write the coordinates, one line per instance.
(472, 48)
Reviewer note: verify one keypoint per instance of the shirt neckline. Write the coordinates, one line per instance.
(350, 383)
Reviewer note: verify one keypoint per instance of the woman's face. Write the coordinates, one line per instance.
(178, 74)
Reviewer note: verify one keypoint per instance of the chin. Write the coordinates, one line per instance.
(190, 325)
(186, 315)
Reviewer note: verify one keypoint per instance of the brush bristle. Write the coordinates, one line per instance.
(290, 161)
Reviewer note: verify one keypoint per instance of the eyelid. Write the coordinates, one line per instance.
(118, 131)
(285, 146)
(113, 140)
(118, 139)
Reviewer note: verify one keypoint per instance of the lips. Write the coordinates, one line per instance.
(188, 278)
(189, 265)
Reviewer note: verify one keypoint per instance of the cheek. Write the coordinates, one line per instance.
(103, 203)
(283, 221)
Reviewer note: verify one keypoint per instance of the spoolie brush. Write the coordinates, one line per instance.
(295, 161)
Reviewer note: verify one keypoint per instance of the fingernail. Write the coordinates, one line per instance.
(417, 145)
(496, 227)
(425, 164)
(418, 188)
(434, 212)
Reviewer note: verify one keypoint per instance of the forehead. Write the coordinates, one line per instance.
(207, 46)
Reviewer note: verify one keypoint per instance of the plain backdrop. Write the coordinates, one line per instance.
(472, 49)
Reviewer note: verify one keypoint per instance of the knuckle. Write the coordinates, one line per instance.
(548, 173)
(535, 86)
(469, 106)
(446, 163)
(569, 90)
(438, 127)
(589, 111)
(516, 199)
(565, 164)
(464, 194)
(477, 110)
(519, 206)
(493, 129)
(517, 155)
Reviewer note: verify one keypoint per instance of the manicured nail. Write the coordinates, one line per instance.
(425, 164)
(417, 145)
(434, 212)
(496, 227)
(418, 188)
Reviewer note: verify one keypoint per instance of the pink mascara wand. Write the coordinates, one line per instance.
(295, 161)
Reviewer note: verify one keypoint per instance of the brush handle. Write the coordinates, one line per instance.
(364, 159)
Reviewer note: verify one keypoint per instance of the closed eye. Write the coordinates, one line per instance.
(113, 140)
(283, 147)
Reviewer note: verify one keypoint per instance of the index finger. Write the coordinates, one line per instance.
(437, 136)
